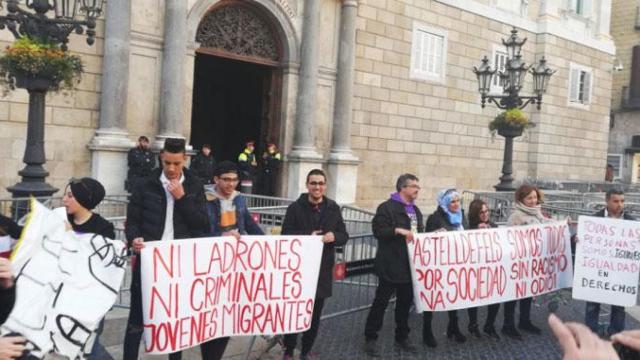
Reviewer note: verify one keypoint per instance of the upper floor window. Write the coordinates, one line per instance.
(428, 53)
(499, 62)
(580, 7)
(580, 85)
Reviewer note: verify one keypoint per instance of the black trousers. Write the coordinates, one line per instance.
(309, 336)
(492, 313)
(510, 310)
(404, 298)
(211, 350)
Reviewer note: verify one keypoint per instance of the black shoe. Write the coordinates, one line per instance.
(406, 345)
(371, 348)
(454, 333)
(429, 340)
(530, 328)
(473, 330)
(491, 331)
(512, 333)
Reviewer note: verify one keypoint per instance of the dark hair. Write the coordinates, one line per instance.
(613, 191)
(474, 212)
(142, 137)
(525, 190)
(174, 145)
(403, 180)
(206, 146)
(610, 166)
(316, 172)
(226, 167)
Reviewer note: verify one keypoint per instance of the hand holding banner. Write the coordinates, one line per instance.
(197, 290)
(607, 261)
(461, 269)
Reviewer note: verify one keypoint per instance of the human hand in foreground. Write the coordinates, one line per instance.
(11, 347)
(578, 342)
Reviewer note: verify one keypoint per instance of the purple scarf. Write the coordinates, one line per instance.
(409, 207)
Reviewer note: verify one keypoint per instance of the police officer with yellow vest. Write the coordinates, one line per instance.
(271, 160)
(248, 165)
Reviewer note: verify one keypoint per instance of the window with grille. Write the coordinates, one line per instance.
(615, 160)
(580, 85)
(498, 62)
(428, 53)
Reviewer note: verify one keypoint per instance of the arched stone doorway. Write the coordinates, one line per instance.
(237, 89)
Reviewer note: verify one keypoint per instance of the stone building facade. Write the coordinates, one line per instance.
(623, 154)
(365, 89)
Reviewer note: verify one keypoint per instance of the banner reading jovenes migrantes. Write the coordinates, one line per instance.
(461, 269)
(196, 290)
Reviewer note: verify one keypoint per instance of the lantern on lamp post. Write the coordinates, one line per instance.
(512, 80)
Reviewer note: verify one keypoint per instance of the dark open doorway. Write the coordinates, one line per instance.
(232, 103)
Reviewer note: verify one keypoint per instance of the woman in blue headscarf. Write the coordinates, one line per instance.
(447, 217)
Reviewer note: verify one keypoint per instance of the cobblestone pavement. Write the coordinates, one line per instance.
(342, 338)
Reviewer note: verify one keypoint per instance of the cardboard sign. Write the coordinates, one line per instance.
(607, 261)
(66, 283)
(460, 269)
(197, 290)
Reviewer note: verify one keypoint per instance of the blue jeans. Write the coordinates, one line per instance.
(616, 324)
(98, 351)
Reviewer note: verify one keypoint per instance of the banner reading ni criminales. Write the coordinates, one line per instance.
(461, 269)
(197, 290)
(607, 258)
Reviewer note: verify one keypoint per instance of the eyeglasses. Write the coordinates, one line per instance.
(414, 186)
(316, 183)
(229, 180)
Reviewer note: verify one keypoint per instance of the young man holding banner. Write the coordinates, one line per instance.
(395, 223)
(315, 214)
(167, 205)
(615, 209)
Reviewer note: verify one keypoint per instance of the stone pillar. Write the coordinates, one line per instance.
(303, 156)
(343, 164)
(174, 58)
(110, 144)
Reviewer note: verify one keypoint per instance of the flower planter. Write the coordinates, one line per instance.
(509, 131)
(33, 83)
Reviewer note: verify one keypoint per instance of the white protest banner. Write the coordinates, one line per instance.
(607, 261)
(196, 290)
(66, 283)
(461, 269)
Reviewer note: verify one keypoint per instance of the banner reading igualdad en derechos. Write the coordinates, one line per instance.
(461, 269)
(607, 261)
(197, 290)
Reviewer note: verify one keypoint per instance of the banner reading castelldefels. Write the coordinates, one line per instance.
(461, 269)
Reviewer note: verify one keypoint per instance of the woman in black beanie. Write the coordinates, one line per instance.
(80, 197)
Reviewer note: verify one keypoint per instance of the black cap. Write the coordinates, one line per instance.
(226, 167)
(174, 145)
(88, 192)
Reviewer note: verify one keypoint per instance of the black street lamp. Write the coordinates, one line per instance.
(512, 79)
(69, 16)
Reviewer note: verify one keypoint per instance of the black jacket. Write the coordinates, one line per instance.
(625, 216)
(439, 220)
(203, 167)
(392, 259)
(148, 206)
(7, 299)
(299, 221)
(141, 162)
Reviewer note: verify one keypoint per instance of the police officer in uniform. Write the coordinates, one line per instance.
(140, 161)
(271, 160)
(248, 163)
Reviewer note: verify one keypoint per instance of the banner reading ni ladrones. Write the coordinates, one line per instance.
(607, 261)
(197, 290)
(461, 269)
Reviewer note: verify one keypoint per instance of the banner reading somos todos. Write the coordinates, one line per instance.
(607, 261)
(461, 269)
(197, 290)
